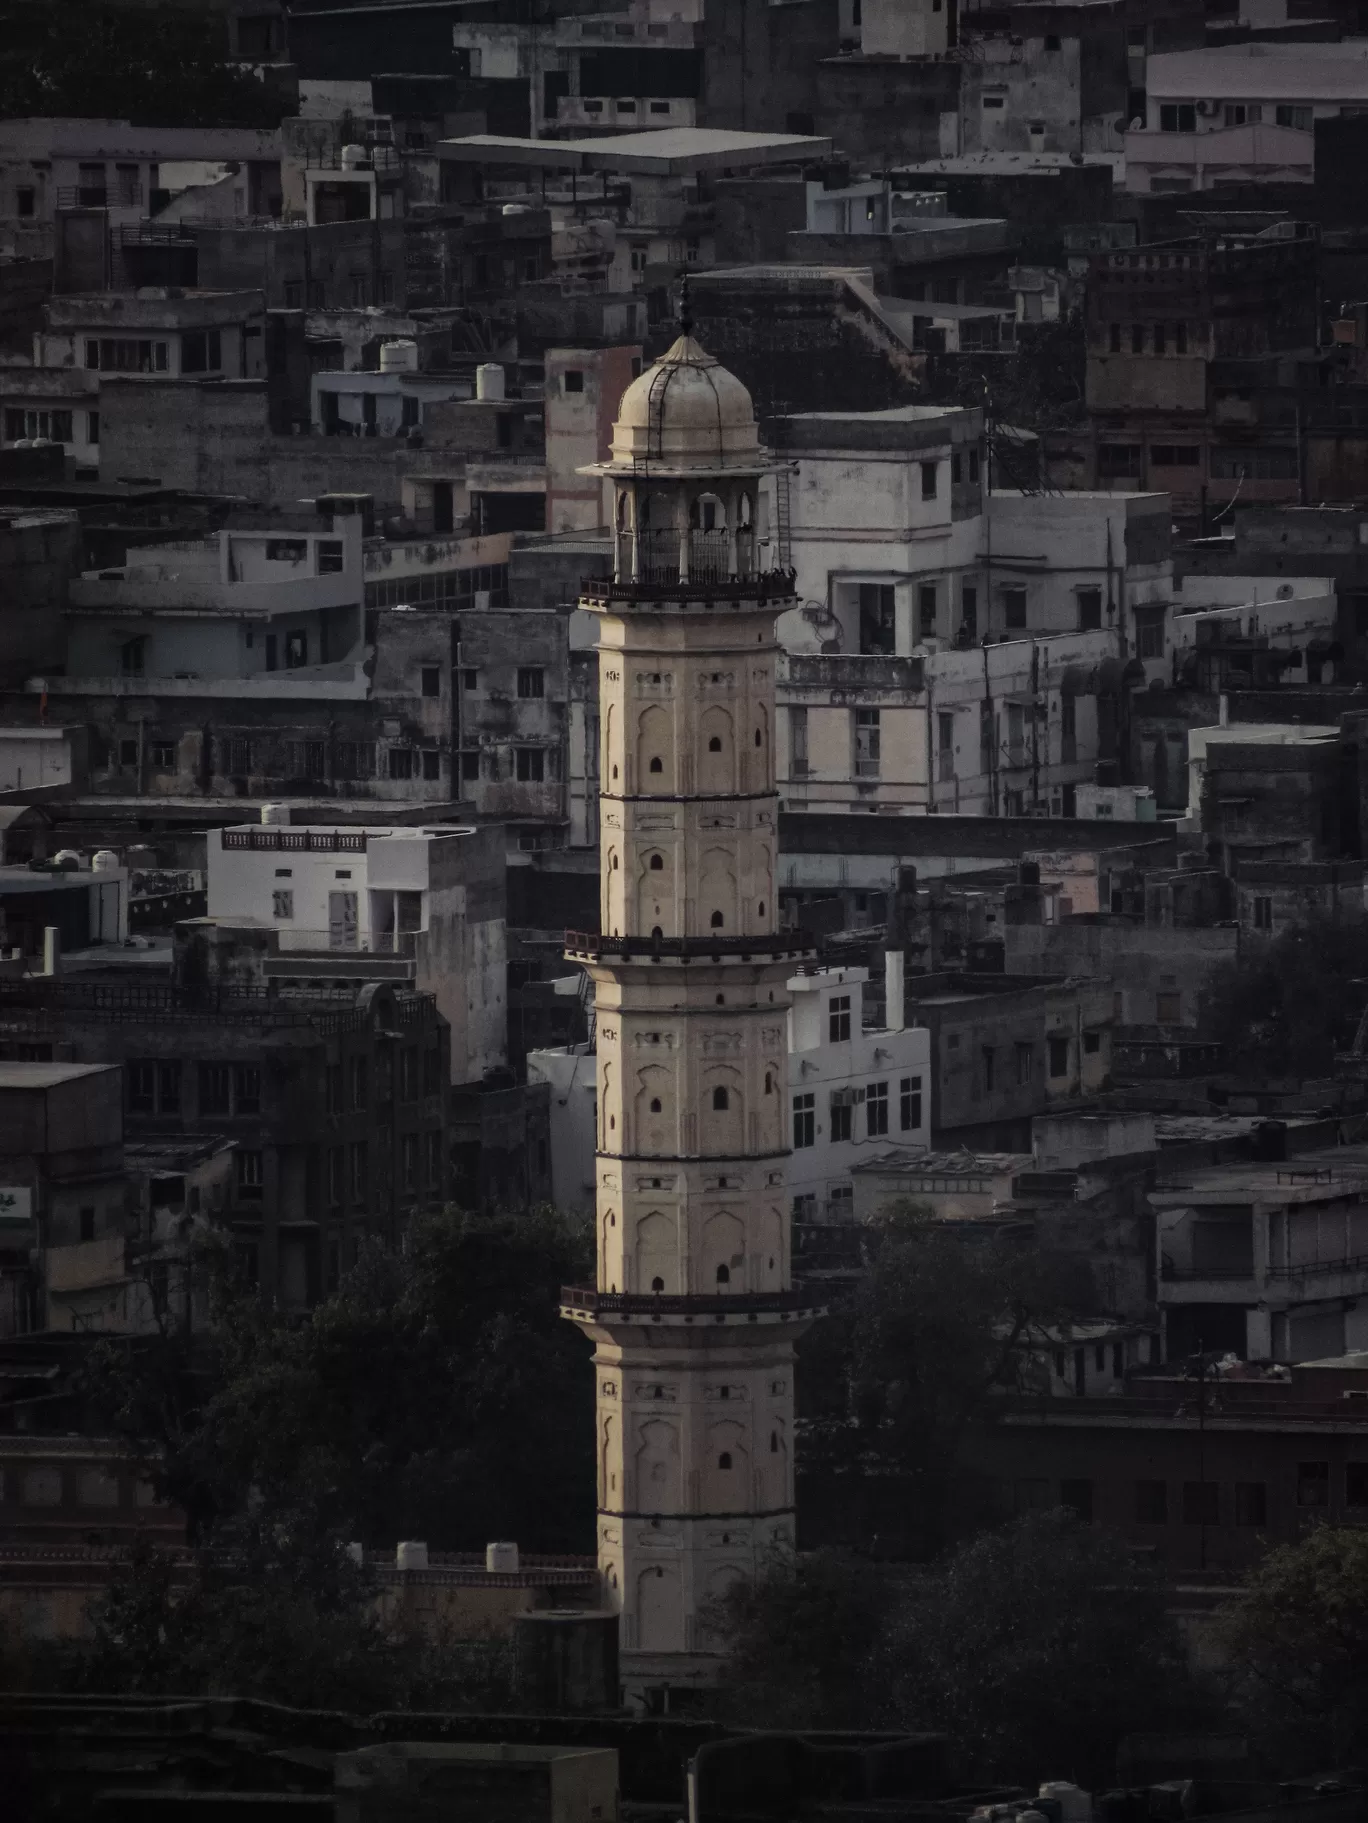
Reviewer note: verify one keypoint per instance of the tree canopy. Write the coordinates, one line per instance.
(156, 65)
(1296, 1637)
(437, 1394)
(894, 1378)
(1287, 1009)
(1035, 1648)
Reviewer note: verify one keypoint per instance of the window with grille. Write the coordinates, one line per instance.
(842, 1115)
(838, 1018)
(804, 1121)
(866, 743)
(531, 681)
(876, 1109)
(910, 1103)
(530, 764)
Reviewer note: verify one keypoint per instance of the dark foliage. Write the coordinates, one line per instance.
(1297, 1640)
(391, 1408)
(153, 65)
(1035, 1648)
(1286, 1010)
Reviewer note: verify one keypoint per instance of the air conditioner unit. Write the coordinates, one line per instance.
(1208, 108)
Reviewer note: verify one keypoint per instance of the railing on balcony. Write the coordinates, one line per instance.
(661, 1303)
(314, 841)
(789, 944)
(296, 941)
(1307, 1269)
(1174, 1273)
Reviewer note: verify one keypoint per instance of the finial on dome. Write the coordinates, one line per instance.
(685, 306)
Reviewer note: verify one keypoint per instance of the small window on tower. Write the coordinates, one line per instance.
(716, 921)
(655, 765)
(715, 744)
(720, 1100)
(657, 864)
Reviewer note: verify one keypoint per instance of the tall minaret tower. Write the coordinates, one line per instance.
(693, 1316)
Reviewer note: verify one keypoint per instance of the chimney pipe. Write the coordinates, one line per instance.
(894, 1009)
(52, 949)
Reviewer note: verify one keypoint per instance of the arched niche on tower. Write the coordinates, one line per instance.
(610, 1252)
(717, 900)
(771, 1249)
(653, 1107)
(758, 765)
(656, 1253)
(774, 1464)
(659, 1484)
(722, 1117)
(716, 752)
(659, 1610)
(726, 1468)
(608, 1468)
(656, 891)
(722, 1255)
(654, 751)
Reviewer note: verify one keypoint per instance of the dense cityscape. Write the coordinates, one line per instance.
(684, 910)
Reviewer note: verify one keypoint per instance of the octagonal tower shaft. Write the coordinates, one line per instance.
(693, 1314)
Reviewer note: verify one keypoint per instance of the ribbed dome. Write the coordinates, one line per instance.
(686, 411)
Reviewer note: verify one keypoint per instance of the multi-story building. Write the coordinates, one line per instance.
(1005, 1048)
(337, 1100)
(956, 649)
(1188, 364)
(1267, 1259)
(692, 1314)
(382, 903)
(851, 1089)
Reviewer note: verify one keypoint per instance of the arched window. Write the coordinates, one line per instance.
(715, 744)
(724, 1275)
(657, 1284)
(774, 1443)
(656, 864)
(656, 932)
(721, 999)
(612, 862)
(762, 908)
(655, 1104)
(720, 1100)
(769, 1083)
(724, 1460)
(656, 766)
(757, 737)
(716, 920)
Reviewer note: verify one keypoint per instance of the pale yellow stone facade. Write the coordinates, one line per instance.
(693, 1314)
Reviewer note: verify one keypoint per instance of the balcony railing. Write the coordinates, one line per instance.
(786, 945)
(296, 941)
(662, 1304)
(1307, 1269)
(312, 841)
(763, 587)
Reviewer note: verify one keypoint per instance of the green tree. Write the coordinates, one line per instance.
(1296, 1640)
(156, 65)
(1034, 1648)
(1286, 1010)
(803, 1643)
(435, 1395)
(894, 1379)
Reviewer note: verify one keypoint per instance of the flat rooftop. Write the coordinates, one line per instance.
(672, 151)
(49, 1075)
(1010, 164)
(1264, 71)
(946, 1164)
(1309, 1177)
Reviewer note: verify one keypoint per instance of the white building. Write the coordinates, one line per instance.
(851, 1091)
(382, 902)
(923, 595)
(205, 618)
(1241, 112)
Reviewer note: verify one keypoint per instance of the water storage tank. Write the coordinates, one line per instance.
(66, 857)
(411, 1555)
(501, 1557)
(104, 861)
(489, 380)
(516, 209)
(354, 158)
(399, 357)
(275, 813)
